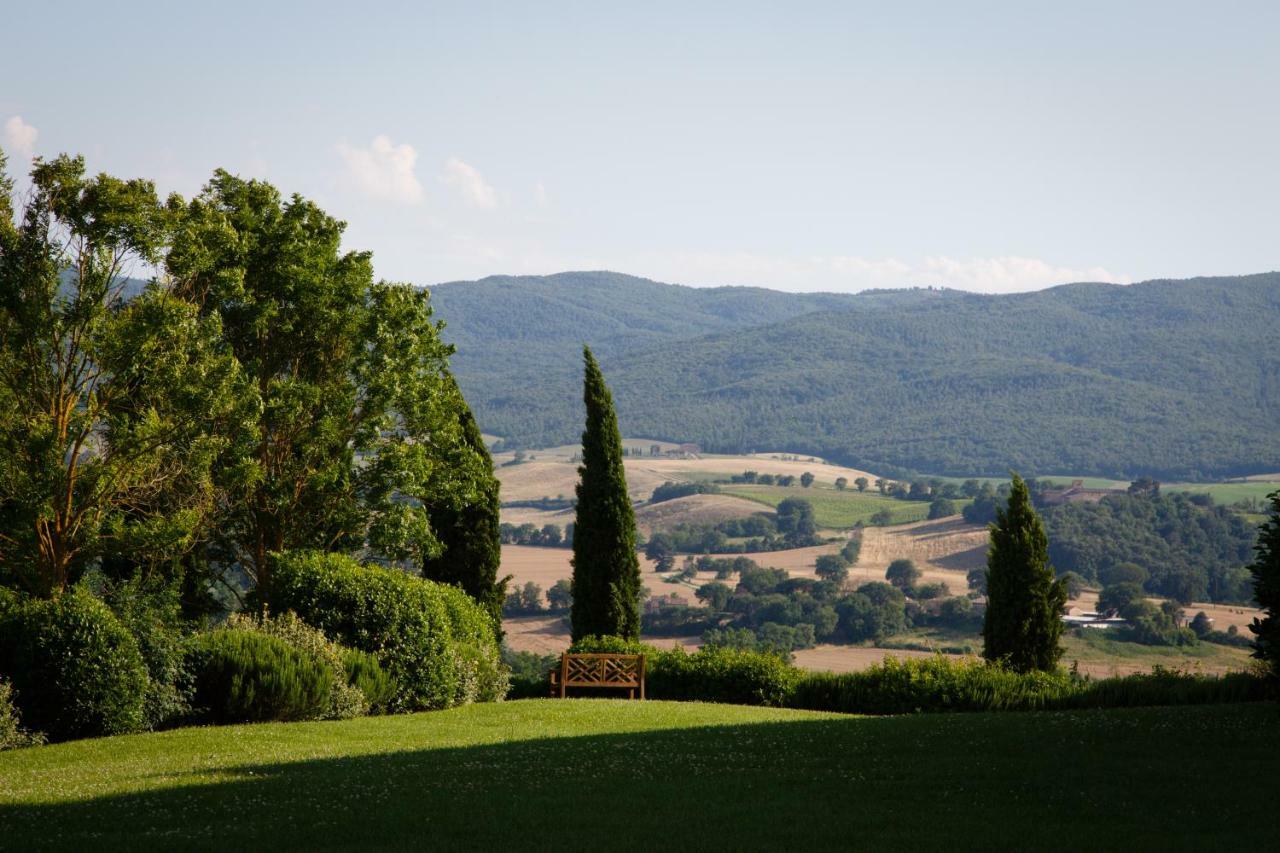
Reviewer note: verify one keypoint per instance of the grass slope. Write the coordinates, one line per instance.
(594, 774)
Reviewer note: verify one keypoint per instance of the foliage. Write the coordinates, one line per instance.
(942, 508)
(547, 536)
(12, 734)
(435, 641)
(524, 601)
(245, 675)
(1023, 620)
(360, 438)
(467, 523)
(1266, 589)
(903, 574)
(115, 412)
(75, 668)
(345, 700)
(606, 571)
(711, 674)
(1086, 378)
(832, 567)
(670, 491)
(1188, 548)
(365, 674)
(529, 673)
(834, 509)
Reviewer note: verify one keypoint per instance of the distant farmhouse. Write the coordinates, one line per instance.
(1075, 493)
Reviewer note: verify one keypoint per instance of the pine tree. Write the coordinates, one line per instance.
(469, 533)
(1023, 622)
(606, 570)
(1266, 589)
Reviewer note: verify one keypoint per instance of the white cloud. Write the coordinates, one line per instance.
(1010, 274)
(20, 137)
(540, 194)
(383, 171)
(468, 181)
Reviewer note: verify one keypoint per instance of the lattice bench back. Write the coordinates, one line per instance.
(599, 669)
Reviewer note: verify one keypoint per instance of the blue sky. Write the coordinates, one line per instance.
(802, 146)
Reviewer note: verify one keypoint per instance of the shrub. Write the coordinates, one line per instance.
(345, 700)
(529, 673)
(75, 669)
(245, 675)
(435, 642)
(153, 615)
(712, 674)
(12, 735)
(365, 674)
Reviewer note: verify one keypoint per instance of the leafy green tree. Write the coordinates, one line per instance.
(606, 570)
(1266, 588)
(112, 411)
(941, 508)
(358, 441)
(560, 596)
(1115, 597)
(832, 567)
(842, 483)
(902, 573)
(795, 520)
(466, 521)
(861, 484)
(1023, 621)
(806, 479)
(715, 594)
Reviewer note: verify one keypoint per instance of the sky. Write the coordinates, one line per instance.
(993, 147)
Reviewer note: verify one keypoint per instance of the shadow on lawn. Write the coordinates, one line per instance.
(926, 782)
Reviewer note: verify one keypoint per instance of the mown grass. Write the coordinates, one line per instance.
(834, 509)
(593, 774)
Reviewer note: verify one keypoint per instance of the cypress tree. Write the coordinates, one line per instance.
(1266, 589)
(606, 570)
(469, 532)
(1023, 622)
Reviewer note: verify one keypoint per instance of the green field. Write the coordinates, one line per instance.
(1096, 647)
(834, 509)
(1223, 493)
(593, 774)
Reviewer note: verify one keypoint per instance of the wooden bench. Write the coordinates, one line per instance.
(599, 669)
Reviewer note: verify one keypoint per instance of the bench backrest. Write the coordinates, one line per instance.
(601, 669)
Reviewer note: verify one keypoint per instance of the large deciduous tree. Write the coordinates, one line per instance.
(1023, 621)
(606, 570)
(1266, 589)
(110, 409)
(356, 438)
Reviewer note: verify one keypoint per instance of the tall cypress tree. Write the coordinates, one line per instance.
(1266, 589)
(1023, 622)
(606, 570)
(469, 532)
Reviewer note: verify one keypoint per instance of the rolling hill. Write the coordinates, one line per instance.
(1169, 378)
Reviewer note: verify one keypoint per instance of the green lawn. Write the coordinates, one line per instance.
(834, 509)
(593, 774)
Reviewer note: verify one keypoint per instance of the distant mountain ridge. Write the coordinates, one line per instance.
(1170, 378)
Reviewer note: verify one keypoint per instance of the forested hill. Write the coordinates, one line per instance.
(1169, 378)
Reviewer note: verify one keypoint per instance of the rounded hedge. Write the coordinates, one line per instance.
(76, 670)
(365, 674)
(435, 642)
(242, 675)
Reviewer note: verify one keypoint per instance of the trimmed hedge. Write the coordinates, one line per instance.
(435, 642)
(710, 674)
(75, 669)
(934, 684)
(244, 675)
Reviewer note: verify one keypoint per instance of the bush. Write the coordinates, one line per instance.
(435, 642)
(75, 669)
(245, 675)
(345, 700)
(153, 615)
(712, 674)
(529, 673)
(365, 674)
(12, 735)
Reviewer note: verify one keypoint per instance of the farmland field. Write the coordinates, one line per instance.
(834, 509)
(554, 773)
